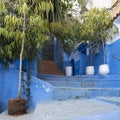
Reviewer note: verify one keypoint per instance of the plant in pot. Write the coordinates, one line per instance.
(70, 30)
(100, 27)
(106, 30)
(23, 19)
(90, 68)
(89, 36)
(65, 33)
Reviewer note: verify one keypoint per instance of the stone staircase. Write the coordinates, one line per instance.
(81, 87)
(50, 67)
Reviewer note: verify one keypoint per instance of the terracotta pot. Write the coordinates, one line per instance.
(104, 69)
(90, 70)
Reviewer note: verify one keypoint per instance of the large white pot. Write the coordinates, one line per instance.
(104, 69)
(68, 70)
(90, 70)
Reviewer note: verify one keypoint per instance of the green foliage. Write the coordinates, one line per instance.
(95, 26)
(25, 27)
(65, 31)
(83, 5)
(71, 31)
(11, 27)
(2, 7)
(98, 27)
(98, 22)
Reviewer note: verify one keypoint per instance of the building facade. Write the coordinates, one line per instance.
(115, 8)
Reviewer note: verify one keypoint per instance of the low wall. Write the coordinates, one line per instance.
(40, 90)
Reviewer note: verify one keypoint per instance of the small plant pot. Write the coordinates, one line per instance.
(68, 71)
(17, 107)
(104, 69)
(90, 70)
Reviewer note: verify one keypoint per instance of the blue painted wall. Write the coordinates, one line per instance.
(114, 64)
(79, 66)
(8, 86)
(78, 62)
(31, 65)
(114, 48)
(40, 90)
(98, 59)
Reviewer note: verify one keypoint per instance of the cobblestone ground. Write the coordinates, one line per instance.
(91, 109)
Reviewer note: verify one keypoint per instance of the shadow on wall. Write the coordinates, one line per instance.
(40, 90)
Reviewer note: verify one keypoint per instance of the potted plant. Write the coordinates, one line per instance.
(99, 25)
(93, 49)
(106, 31)
(104, 68)
(90, 68)
(22, 20)
(65, 34)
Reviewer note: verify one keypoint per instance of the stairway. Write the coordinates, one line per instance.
(50, 67)
(81, 87)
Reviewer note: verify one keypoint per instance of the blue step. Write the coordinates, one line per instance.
(68, 93)
(83, 86)
(113, 100)
(100, 84)
(82, 78)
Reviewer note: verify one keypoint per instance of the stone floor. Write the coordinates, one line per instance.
(89, 109)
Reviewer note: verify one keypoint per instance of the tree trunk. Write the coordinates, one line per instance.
(104, 52)
(21, 57)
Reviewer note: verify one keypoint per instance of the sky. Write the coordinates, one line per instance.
(101, 3)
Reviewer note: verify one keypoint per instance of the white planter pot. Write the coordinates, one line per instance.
(90, 70)
(104, 69)
(68, 71)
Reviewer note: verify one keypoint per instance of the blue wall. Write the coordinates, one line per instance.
(98, 59)
(114, 48)
(8, 86)
(79, 66)
(31, 65)
(40, 90)
(78, 62)
(114, 64)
